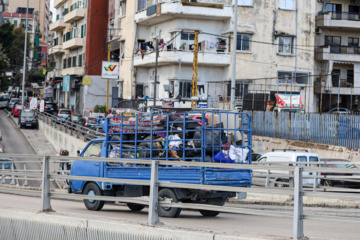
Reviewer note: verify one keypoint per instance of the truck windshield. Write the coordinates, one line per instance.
(93, 150)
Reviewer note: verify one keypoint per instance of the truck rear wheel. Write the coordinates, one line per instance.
(135, 207)
(93, 189)
(168, 212)
(212, 201)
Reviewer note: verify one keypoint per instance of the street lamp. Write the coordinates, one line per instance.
(25, 50)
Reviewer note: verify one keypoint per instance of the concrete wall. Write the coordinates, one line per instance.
(16, 224)
(266, 144)
(61, 140)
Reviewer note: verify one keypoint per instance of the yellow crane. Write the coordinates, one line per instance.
(194, 92)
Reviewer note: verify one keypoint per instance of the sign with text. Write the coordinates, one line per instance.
(33, 103)
(42, 105)
(66, 83)
(110, 70)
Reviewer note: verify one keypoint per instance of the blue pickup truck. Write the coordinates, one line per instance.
(172, 136)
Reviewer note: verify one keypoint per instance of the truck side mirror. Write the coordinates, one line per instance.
(78, 153)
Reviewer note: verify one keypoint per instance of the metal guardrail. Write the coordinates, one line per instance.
(70, 127)
(295, 175)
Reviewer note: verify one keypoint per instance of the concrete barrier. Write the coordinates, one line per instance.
(266, 144)
(21, 224)
(61, 140)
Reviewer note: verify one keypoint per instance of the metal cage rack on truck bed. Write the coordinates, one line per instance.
(178, 135)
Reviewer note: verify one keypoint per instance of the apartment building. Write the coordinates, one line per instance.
(18, 19)
(269, 57)
(4, 5)
(338, 54)
(78, 49)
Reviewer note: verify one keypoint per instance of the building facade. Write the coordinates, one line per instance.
(337, 54)
(78, 49)
(274, 50)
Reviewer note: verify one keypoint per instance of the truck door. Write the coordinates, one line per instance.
(93, 150)
(313, 159)
(304, 160)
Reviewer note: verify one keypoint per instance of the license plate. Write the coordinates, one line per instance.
(28, 125)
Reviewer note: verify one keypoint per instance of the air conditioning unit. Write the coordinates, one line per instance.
(318, 30)
(354, 1)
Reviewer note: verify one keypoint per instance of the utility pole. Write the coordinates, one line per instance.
(108, 82)
(25, 49)
(156, 68)
(233, 80)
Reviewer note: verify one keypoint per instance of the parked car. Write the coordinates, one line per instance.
(63, 114)
(290, 156)
(74, 118)
(340, 111)
(50, 108)
(4, 100)
(345, 164)
(28, 118)
(16, 110)
(12, 103)
(89, 122)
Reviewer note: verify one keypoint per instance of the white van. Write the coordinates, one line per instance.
(290, 155)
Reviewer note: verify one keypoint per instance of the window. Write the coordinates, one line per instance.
(15, 22)
(64, 63)
(301, 159)
(244, 2)
(187, 39)
(243, 42)
(284, 77)
(353, 42)
(286, 45)
(93, 150)
(80, 60)
(139, 90)
(84, 30)
(335, 77)
(74, 61)
(237, 89)
(123, 8)
(287, 4)
(334, 42)
(69, 62)
(185, 89)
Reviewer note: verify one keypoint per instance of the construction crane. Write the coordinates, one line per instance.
(194, 92)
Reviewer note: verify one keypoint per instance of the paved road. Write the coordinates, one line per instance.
(15, 142)
(235, 224)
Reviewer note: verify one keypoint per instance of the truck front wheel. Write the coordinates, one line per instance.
(168, 212)
(93, 189)
(212, 201)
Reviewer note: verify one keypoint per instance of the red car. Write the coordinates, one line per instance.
(16, 110)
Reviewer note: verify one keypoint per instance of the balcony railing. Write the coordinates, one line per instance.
(351, 16)
(344, 49)
(142, 4)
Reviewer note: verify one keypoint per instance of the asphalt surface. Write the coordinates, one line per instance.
(14, 141)
(231, 224)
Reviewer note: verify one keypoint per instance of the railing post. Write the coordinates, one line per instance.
(153, 218)
(45, 186)
(3, 174)
(315, 181)
(12, 175)
(298, 227)
(267, 181)
(26, 178)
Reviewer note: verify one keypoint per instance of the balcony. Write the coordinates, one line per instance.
(170, 9)
(50, 74)
(338, 20)
(73, 71)
(74, 15)
(338, 53)
(186, 57)
(56, 49)
(73, 43)
(57, 26)
(58, 3)
(346, 87)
